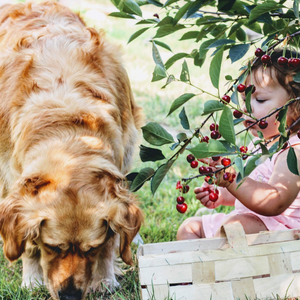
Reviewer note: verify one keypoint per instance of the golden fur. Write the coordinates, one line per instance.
(68, 126)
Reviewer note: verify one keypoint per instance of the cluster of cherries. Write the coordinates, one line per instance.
(181, 206)
(292, 63)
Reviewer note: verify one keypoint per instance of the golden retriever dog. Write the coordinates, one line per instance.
(68, 128)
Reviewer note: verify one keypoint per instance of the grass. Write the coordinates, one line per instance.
(161, 218)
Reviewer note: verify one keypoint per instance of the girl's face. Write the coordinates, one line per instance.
(269, 95)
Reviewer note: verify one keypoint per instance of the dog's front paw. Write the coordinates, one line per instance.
(105, 285)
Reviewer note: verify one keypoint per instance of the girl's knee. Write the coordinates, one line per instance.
(191, 228)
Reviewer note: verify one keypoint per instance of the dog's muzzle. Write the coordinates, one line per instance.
(70, 295)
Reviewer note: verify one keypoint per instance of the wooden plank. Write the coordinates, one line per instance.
(295, 260)
(243, 289)
(280, 263)
(212, 255)
(203, 272)
(216, 291)
(161, 291)
(166, 274)
(241, 267)
(281, 285)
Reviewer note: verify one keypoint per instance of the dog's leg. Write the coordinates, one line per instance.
(32, 270)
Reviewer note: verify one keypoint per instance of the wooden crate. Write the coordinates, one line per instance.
(235, 266)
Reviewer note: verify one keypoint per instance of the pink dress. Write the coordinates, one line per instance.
(290, 218)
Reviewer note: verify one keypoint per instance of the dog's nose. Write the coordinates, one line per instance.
(70, 295)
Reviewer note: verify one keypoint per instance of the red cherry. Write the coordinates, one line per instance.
(226, 99)
(265, 59)
(253, 88)
(244, 156)
(259, 52)
(227, 176)
(181, 207)
(243, 149)
(178, 185)
(215, 134)
(209, 170)
(202, 170)
(190, 158)
(207, 179)
(204, 139)
(215, 158)
(194, 164)
(263, 124)
(226, 161)
(180, 200)
(213, 197)
(241, 88)
(296, 62)
(213, 127)
(232, 178)
(216, 191)
(206, 189)
(298, 134)
(290, 63)
(185, 189)
(237, 114)
(282, 61)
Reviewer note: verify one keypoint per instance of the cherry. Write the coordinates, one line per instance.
(190, 158)
(243, 149)
(227, 176)
(226, 161)
(232, 178)
(266, 59)
(207, 179)
(226, 99)
(244, 156)
(215, 158)
(253, 88)
(259, 52)
(178, 185)
(298, 134)
(204, 139)
(241, 88)
(209, 170)
(282, 61)
(206, 189)
(263, 124)
(181, 207)
(202, 170)
(237, 114)
(213, 197)
(290, 63)
(180, 199)
(296, 62)
(194, 164)
(213, 127)
(185, 189)
(215, 134)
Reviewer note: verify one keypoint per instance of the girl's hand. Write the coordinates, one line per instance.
(202, 194)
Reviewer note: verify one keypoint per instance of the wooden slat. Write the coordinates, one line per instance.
(203, 272)
(241, 267)
(166, 274)
(280, 264)
(295, 260)
(212, 255)
(216, 291)
(281, 285)
(243, 289)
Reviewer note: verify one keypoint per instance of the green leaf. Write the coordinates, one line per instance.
(132, 7)
(137, 34)
(150, 154)
(167, 29)
(241, 35)
(213, 148)
(236, 52)
(180, 13)
(143, 176)
(121, 14)
(156, 56)
(225, 5)
(296, 8)
(212, 106)
(181, 137)
(248, 99)
(159, 175)
(226, 127)
(215, 68)
(163, 45)
(296, 77)
(282, 119)
(184, 120)
(169, 2)
(156, 135)
(180, 101)
(251, 165)
(185, 75)
(156, 3)
(240, 166)
(263, 8)
(220, 42)
(175, 58)
(234, 97)
(159, 73)
(260, 134)
(189, 35)
(292, 161)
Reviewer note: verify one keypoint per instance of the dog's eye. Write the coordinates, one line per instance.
(53, 248)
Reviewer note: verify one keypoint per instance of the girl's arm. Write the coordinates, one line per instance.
(274, 197)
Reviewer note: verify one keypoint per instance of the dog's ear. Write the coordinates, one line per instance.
(125, 218)
(31, 185)
(10, 229)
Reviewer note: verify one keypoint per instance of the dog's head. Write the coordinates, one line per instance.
(75, 228)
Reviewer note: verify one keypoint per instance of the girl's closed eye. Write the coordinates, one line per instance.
(260, 100)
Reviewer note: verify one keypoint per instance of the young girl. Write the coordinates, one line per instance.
(269, 198)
